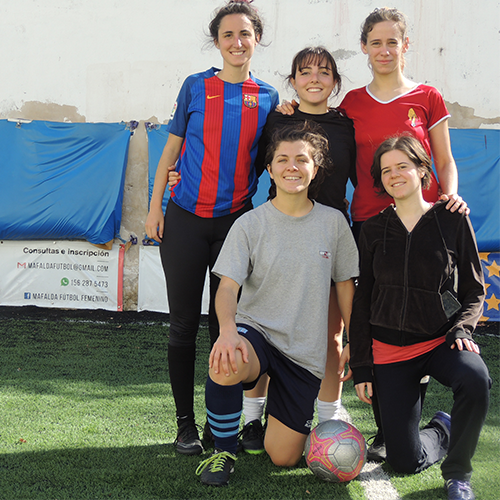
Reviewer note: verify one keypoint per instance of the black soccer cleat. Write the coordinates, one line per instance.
(215, 470)
(376, 451)
(188, 441)
(252, 438)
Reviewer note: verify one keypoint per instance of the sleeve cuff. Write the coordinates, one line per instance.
(459, 333)
(362, 374)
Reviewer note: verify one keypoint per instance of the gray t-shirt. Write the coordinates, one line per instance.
(285, 266)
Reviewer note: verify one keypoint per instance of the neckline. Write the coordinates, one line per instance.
(216, 72)
(394, 98)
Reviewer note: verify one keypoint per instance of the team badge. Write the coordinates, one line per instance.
(250, 101)
(413, 117)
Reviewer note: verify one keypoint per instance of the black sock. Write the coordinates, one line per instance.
(181, 370)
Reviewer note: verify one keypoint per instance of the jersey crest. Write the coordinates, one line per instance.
(412, 116)
(250, 101)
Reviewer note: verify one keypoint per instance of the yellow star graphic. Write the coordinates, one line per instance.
(494, 269)
(486, 286)
(484, 318)
(492, 302)
(484, 256)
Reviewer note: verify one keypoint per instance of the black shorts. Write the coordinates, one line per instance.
(292, 389)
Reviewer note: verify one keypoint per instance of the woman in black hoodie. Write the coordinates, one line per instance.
(419, 297)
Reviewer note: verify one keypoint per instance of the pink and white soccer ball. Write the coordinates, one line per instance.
(335, 451)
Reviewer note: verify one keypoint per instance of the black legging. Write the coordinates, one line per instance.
(190, 246)
(398, 384)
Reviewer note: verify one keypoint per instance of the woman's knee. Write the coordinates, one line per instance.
(474, 381)
(182, 338)
(282, 458)
(285, 461)
(283, 445)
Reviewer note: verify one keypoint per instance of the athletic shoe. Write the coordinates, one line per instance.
(376, 451)
(251, 438)
(444, 418)
(188, 441)
(459, 490)
(208, 437)
(215, 470)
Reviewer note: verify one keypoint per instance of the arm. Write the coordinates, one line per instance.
(470, 289)
(360, 340)
(345, 293)
(445, 167)
(154, 221)
(223, 352)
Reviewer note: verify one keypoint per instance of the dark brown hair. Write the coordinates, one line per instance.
(236, 7)
(315, 55)
(381, 15)
(412, 148)
(311, 133)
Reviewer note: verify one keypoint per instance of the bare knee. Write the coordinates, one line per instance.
(283, 445)
(222, 379)
(282, 460)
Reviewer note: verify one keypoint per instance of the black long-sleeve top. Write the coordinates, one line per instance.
(403, 275)
(340, 133)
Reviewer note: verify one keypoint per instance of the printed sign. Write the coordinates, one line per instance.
(65, 274)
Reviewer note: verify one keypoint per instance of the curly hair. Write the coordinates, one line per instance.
(312, 134)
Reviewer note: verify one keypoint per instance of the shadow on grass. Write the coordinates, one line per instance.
(429, 494)
(150, 472)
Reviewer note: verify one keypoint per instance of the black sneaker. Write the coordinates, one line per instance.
(208, 437)
(376, 451)
(251, 438)
(215, 470)
(459, 490)
(188, 441)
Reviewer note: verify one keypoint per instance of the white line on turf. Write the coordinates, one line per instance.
(375, 481)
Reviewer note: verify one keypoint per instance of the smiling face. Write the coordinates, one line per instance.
(314, 84)
(292, 168)
(400, 177)
(236, 40)
(385, 47)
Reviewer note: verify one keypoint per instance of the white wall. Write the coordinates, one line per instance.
(114, 60)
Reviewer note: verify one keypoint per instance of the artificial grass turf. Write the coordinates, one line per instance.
(87, 412)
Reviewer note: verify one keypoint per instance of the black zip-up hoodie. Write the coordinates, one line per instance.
(403, 277)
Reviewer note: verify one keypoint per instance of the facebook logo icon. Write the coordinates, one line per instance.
(27, 295)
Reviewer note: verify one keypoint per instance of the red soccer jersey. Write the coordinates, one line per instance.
(416, 112)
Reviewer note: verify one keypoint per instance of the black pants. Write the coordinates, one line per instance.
(190, 246)
(410, 450)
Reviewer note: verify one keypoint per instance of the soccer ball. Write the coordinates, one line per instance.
(335, 451)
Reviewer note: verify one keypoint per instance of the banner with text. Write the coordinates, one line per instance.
(65, 274)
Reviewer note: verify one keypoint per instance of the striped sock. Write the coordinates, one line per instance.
(224, 403)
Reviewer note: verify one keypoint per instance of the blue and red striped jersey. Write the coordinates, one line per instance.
(221, 124)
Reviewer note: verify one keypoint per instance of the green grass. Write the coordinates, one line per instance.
(87, 413)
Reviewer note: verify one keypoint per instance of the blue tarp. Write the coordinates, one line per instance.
(477, 154)
(157, 138)
(62, 180)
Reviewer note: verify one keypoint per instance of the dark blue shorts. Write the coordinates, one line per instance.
(292, 389)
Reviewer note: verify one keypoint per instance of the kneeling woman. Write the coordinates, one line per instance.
(419, 297)
(283, 255)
